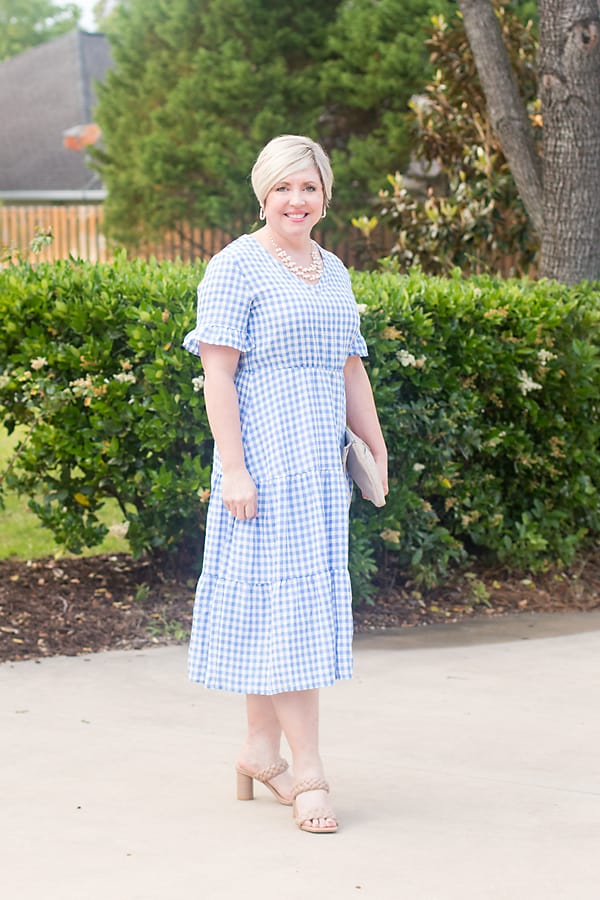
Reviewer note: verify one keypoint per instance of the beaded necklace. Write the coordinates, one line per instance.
(308, 273)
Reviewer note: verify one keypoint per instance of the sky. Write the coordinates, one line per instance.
(87, 20)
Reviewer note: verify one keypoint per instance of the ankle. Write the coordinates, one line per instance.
(307, 767)
(259, 754)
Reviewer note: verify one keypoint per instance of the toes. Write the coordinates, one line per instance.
(320, 823)
(317, 815)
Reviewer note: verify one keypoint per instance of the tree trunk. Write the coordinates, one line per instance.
(569, 77)
(508, 115)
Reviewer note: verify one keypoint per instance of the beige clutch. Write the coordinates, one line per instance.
(362, 468)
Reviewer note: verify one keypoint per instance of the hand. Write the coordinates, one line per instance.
(382, 467)
(239, 494)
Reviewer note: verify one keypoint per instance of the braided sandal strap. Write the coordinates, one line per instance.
(272, 771)
(315, 812)
(309, 784)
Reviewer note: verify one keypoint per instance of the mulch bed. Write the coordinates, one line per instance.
(80, 605)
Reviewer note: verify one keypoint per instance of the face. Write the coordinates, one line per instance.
(295, 204)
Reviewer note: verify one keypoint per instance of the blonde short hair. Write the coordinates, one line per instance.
(285, 155)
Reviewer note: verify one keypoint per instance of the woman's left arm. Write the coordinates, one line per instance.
(361, 413)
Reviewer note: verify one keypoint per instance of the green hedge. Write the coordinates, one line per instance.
(91, 362)
(488, 393)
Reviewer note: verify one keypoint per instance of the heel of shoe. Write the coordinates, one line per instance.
(245, 786)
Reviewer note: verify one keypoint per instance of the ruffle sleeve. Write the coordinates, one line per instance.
(358, 346)
(224, 305)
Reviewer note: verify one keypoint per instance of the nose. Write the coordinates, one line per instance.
(297, 197)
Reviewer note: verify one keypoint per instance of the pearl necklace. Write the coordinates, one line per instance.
(308, 273)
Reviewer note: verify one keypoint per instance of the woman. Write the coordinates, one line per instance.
(278, 334)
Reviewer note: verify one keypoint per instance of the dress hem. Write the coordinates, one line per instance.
(271, 693)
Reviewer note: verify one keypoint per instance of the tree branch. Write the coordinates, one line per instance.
(507, 111)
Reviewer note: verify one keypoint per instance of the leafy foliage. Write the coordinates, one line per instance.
(197, 89)
(103, 12)
(26, 23)
(377, 59)
(96, 374)
(476, 220)
(488, 392)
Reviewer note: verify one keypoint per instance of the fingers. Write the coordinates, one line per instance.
(247, 511)
(384, 477)
(239, 494)
(242, 509)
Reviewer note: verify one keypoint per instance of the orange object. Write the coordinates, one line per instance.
(81, 136)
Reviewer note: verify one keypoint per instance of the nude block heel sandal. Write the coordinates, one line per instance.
(245, 786)
(246, 779)
(315, 812)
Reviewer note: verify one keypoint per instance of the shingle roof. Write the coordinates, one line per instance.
(43, 92)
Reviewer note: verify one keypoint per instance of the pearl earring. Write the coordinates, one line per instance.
(261, 214)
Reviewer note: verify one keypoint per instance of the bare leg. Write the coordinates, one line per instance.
(297, 712)
(263, 741)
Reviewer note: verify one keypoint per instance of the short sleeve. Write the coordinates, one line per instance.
(224, 303)
(358, 346)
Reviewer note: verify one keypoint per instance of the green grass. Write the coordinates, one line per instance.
(22, 535)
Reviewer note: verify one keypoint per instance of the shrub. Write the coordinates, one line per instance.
(488, 393)
(92, 366)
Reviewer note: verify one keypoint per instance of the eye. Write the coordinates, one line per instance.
(282, 187)
(311, 187)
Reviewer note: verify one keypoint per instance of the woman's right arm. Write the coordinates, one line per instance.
(222, 408)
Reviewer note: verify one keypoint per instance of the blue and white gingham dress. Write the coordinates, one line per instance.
(273, 605)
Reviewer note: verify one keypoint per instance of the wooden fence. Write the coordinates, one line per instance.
(77, 231)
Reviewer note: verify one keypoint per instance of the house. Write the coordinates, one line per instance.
(47, 99)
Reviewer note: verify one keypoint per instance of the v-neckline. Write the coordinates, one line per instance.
(282, 268)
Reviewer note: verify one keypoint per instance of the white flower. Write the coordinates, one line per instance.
(527, 384)
(4, 381)
(421, 103)
(418, 467)
(123, 377)
(198, 383)
(408, 359)
(38, 363)
(81, 386)
(545, 356)
(362, 308)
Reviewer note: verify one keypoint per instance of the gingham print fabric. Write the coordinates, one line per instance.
(273, 606)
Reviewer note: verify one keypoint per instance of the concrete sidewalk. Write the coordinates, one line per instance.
(465, 761)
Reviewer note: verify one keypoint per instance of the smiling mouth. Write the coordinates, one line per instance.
(298, 215)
